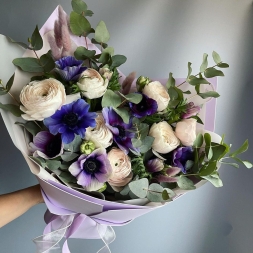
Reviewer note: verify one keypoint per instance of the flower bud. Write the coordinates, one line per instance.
(142, 81)
(87, 147)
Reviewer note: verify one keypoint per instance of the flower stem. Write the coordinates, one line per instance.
(10, 94)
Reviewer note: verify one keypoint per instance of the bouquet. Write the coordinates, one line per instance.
(107, 148)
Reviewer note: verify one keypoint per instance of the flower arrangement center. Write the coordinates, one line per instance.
(70, 119)
(91, 165)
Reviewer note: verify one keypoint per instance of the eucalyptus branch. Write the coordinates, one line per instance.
(10, 94)
(198, 74)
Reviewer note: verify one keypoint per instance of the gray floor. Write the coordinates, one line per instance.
(159, 37)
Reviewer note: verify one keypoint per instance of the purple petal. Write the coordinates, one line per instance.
(84, 179)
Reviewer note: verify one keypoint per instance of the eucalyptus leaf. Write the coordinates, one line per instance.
(53, 164)
(240, 150)
(170, 192)
(212, 72)
(136, 142)
(110, 98)
(104, 58)
(79, 6)
(3, 91)
(185, 183)
(47, 62)
(19, 43)
(246, 163)
(204, 63)
(193, 80)
(125, 190)
(146, 144)
(79, 25)
(10, 82)
(133, 97)
(30, 126)
(198, 141)
(36, 40)
(216, 57)
(214, 179)
(209, 94)
(155, 193)
(189, 69)
(139, 187)
(231, 164)
(89, 13)
(74, 146)
(67, 177)
(123, 113)
(209, 169)
(109, 50)
(39, 161)
(223, 65)
(218, 151)
(101, 33)
(171, 81)
(118, 60)
(82, 53)
(69, 156)
(28, 64)
(14, 109)
(165, 195)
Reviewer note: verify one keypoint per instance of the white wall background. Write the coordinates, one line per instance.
(159, 37)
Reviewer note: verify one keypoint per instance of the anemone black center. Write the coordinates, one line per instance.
(122, 131)
(142, 106)
(91, 165)
(70, 119)
(53, 148)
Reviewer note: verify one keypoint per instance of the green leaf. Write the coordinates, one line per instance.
(204, 63)
(139, 187)
(19, 43)
(198, 119)
(101, 33)
(231, 164)
(209, 94)
(74, 146)
(171, 81)
(82, 53)
(30, 126)
(28, 64)
(212, 72)
(39, 161)
(208, 170)
(223, 65)
(125, 190)
(69, 156)
(53, 164)
(104, 58)
(14, 109)
(198, 141)
(218, 151)
(165, 195)
(47, 62)
(36, 40)
(110, 98)
(79, 25)
(104, 45)
(136, 142)
(246, 163)
(216, 57)
(240, 150)
(123, 113)
(133, 97)
(146, 144)
(79, 6)
(67, 177)
(109, 50)
(88, 13)
(214, 179)
(155, 193)
(118, 60)
(189, 69)
(208, 147)
(10, 83)
(193, 80)
(185, 183)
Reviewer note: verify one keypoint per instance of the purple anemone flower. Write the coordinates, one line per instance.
(120, 130)
(46, 145)
(181, 156)
(191, 110)
(92, 171)
(154, 165)
(71, 119)
(69, 68)
(147, 106)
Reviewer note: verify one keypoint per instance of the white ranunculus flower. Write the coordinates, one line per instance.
(186, 131)
(92, 84)
(41, 99)
(106, 73)
(100, 135)
(157, 91)
(121, 168)
(165, 139)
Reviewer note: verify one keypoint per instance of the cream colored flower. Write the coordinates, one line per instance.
(157, 91)
(92, 84)
(100, 135)
(165, 139)
(186, 131)
(121, 168)
(41, 99)
(106, 73)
